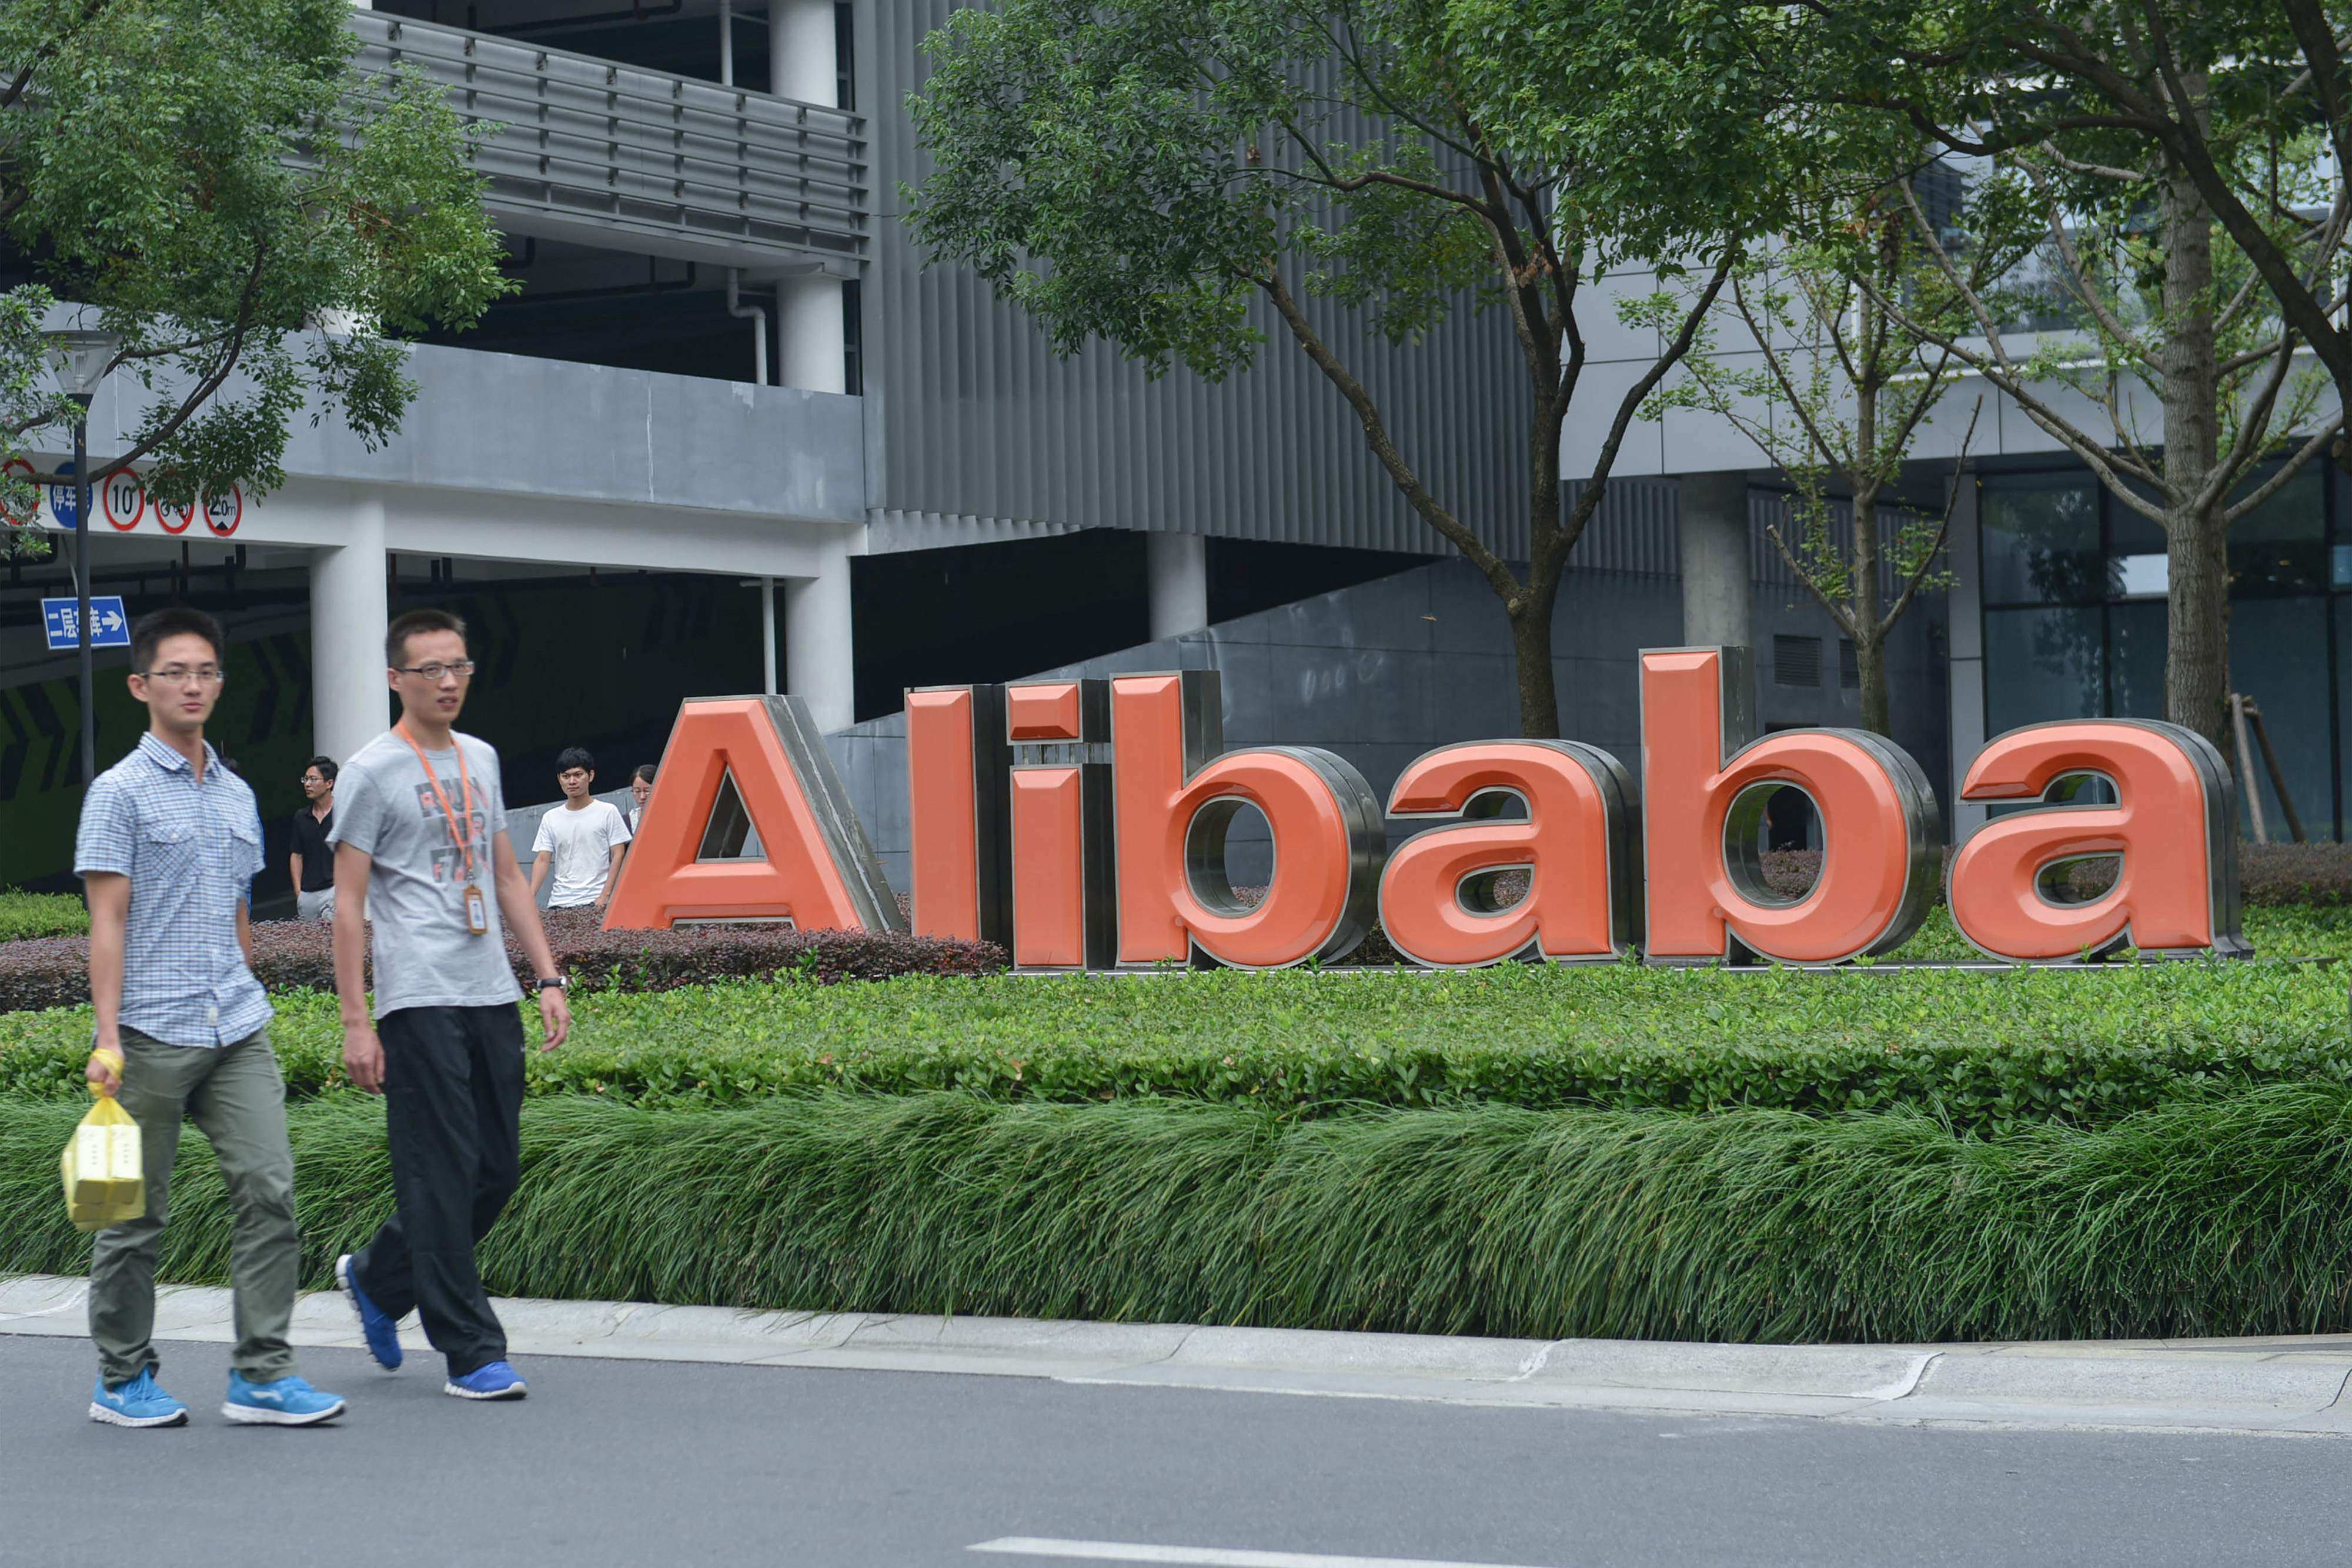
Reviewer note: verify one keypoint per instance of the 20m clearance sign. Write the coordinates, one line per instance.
(1082, 824)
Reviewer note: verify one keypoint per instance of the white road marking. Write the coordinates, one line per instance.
(1203, 1556)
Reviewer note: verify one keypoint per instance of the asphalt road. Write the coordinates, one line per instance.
(613, 1462)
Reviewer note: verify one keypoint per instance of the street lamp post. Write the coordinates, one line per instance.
(81, 359)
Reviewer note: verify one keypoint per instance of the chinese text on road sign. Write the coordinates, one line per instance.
(109, 626)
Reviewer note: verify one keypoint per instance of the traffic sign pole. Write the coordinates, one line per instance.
(81, 595)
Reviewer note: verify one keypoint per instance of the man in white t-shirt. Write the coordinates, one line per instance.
(580, 841)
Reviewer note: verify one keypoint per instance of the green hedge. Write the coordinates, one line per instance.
(1984, 1052)
(2228, 1217)
(23, 914)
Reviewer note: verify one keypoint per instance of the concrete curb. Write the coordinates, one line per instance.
(2288, 1385)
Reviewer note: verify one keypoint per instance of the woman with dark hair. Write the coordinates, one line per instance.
(641, 789)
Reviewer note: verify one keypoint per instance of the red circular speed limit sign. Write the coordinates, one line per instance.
(222, 513)
(18, 467)
(123, 500)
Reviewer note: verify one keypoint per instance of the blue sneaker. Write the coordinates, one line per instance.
(137, 1403)
(286, 1401)
(376, 1326)
(495, 1381)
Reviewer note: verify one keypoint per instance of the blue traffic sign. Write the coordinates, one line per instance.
(109, 626)
(64, 503)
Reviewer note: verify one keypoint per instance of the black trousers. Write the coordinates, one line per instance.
(453, 1105)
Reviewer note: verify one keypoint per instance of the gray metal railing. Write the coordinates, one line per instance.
(611, 154)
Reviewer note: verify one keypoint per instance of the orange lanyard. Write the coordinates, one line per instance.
(462, 837)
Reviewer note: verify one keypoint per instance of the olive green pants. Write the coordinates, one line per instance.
(234, 1093)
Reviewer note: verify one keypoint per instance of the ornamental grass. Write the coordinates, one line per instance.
(2225, 1216)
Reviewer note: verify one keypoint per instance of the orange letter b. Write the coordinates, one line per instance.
(1173, 798)
(1703, 788)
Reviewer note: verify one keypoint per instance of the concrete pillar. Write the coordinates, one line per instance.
(819, 655)
(804, 63)
(1178, 572)
(1965, 603)
(349, 705)
(1716, 594)
(768, 636)
(813, 333)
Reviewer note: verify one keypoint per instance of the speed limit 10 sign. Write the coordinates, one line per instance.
(123, 499)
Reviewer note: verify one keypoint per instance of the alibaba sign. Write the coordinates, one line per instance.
(1082, 824)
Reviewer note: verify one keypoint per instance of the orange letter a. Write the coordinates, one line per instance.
(818, 871)
(2174, 822)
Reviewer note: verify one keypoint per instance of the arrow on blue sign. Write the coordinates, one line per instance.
(110, 624)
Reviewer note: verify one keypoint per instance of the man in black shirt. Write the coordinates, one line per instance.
(313, 862)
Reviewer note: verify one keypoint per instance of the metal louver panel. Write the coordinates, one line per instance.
(1796, 661)
(615, 155)
(976, 418)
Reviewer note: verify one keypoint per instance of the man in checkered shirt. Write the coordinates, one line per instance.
(168, 848)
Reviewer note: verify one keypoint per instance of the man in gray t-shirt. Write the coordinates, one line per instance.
(425, 954)
(426, 877)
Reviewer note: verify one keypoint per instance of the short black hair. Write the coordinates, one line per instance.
(409, 622)
(645, 771)
(325, 765)
(572, 757)
(179, 621)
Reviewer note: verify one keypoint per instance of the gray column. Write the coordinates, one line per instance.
(1178, 567)
(1966, 604)
(819, 651)
(812, 335)
(1716, 594)
(350, 702)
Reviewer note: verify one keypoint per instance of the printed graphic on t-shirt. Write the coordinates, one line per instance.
(448, 859)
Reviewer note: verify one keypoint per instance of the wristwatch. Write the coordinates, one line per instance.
(554, 985)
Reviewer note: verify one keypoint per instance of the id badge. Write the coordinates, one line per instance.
(478, 914)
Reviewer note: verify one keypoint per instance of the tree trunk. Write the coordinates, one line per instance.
(2196, 663)
(1868, 601)
(2196, 609)
(1869, 664)
(1530, 614)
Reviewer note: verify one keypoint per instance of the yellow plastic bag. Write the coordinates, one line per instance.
(105, 1184)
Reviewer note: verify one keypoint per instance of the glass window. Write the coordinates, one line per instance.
(2342, 714)
(2041, 664)
(2278, 656)
(2131, 531)
(2041, 540)
(2281, 546)
(2137, 640)
(2143, 576)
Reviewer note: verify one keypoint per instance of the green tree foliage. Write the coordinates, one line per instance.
(1162, 174)
(2246, 104)
(1833, 388)
(212, 180)
(2177, 170)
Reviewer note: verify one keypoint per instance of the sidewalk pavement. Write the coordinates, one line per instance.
(2283, 1385)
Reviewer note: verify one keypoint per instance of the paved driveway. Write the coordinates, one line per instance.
(614, 1462)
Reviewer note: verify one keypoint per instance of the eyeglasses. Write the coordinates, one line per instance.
(203, 676)
(462, 668)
